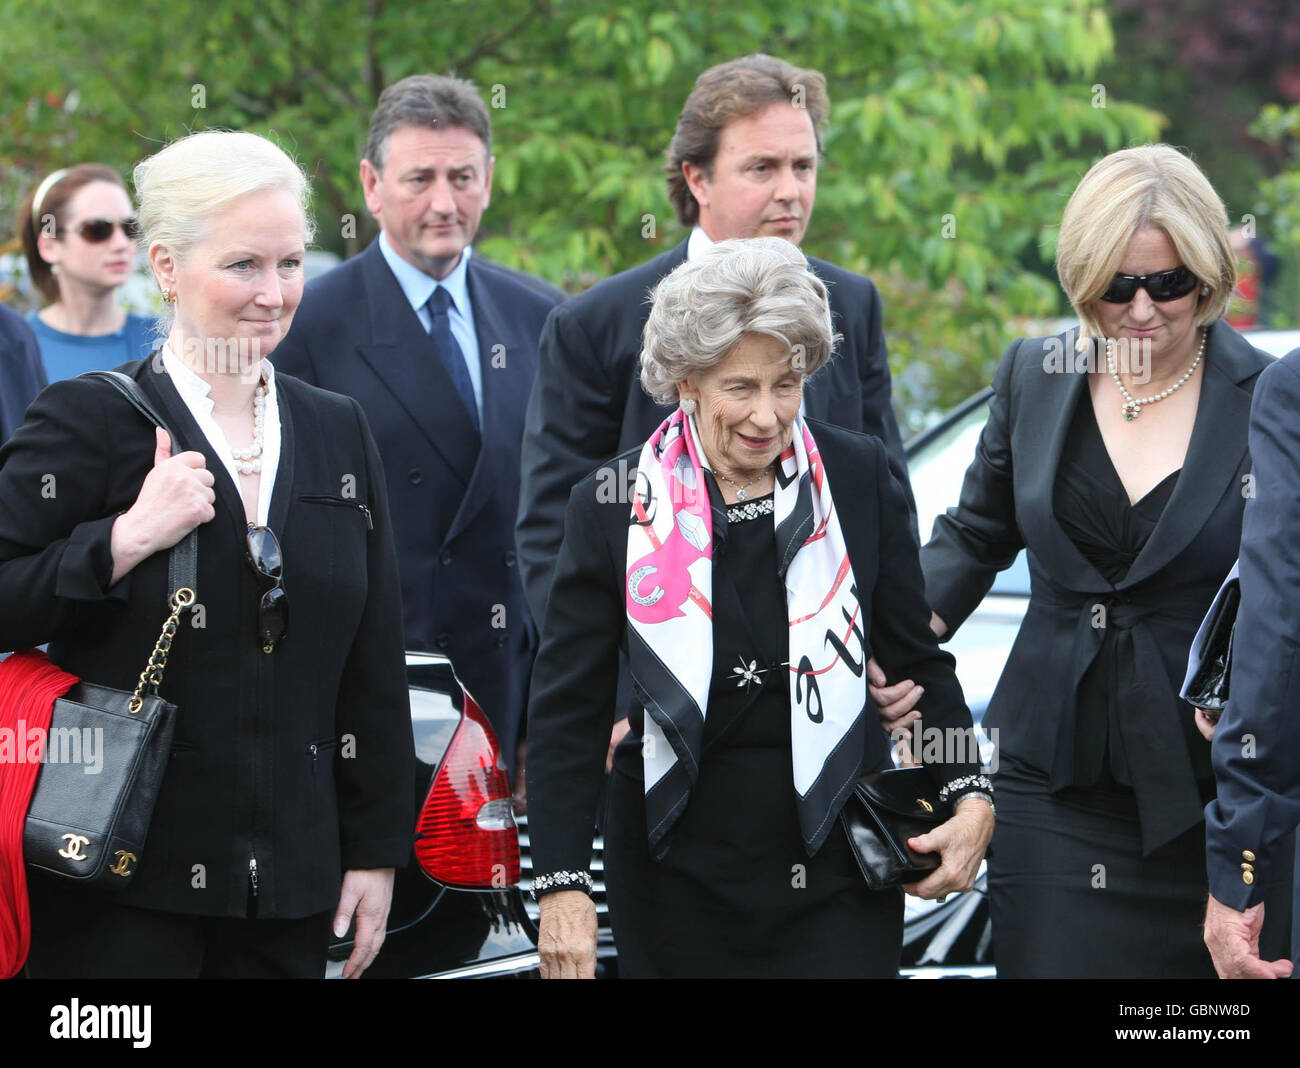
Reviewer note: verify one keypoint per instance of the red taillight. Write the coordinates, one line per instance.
(466, 835)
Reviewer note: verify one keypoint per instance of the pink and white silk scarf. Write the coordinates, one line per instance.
(669, 593)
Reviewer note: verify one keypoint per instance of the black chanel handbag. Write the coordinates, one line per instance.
(885, 809)
(90, 825)
(1209, 686)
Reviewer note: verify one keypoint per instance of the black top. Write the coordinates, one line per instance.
(1093, 508)
(749, 636)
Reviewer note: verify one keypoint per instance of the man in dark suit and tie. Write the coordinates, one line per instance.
(440, 348)
(743, 163)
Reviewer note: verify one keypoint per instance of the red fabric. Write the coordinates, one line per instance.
(29, 685)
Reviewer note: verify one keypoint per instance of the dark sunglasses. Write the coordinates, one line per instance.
(97, 231)
(1162, 287)
(273, 610)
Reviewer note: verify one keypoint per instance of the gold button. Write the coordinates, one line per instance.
(1248, 867)
(1247, 877)
(1246, 854)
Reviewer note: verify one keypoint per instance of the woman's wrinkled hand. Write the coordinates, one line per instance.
(177, 496)
(566, 935)
(896, 703)
(960, 843)
(1206, 721)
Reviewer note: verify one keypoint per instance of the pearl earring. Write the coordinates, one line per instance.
(1205, 290)
(688, 406)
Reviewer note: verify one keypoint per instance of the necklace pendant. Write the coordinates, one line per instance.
(741, 494)
(1131, 410)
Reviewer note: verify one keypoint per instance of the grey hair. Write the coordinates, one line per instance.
(195, 178)
(702, 309)
(431, 101)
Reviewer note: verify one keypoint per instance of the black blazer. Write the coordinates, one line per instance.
(588, 404)
(1006, 504)
(453, 504)
(1258, 802)
(22, 374)
(571, 708)
(302, 759)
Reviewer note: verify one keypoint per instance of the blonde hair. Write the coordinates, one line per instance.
(702, 309)
(1151, 186)
(183, 186)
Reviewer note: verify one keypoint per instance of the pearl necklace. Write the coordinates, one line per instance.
(248, 460)
(741, 490)
(1132, 406)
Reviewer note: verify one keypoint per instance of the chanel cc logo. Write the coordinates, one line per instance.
(925, 804)
(73, 849)
(124, 862)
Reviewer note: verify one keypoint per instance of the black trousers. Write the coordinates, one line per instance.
(80, 933)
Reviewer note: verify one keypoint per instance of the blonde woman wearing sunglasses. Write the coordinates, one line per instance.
(1118, 455)
(79, 234)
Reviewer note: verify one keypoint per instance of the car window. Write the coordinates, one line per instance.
(937, 468)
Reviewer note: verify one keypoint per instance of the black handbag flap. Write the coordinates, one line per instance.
(905, 792)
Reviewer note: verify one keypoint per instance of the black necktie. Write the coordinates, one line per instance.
(449, 351)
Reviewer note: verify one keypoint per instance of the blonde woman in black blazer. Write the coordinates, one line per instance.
(1128, 491)
(287, 802)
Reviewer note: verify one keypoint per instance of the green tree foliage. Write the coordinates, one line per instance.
(1278, 206)
(958, 127)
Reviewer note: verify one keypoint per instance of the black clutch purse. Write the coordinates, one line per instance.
(88, 825)
(885, 809)
(1209, 687)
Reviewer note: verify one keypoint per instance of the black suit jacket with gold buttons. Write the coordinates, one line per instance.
(1257, 742)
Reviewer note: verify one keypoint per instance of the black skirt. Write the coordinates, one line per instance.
(736, 895)
(1072, 896)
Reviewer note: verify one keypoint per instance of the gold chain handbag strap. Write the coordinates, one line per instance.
(152, 676)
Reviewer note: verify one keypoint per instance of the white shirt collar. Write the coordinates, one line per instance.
(698, 243)
(418, 286)
(196, 392)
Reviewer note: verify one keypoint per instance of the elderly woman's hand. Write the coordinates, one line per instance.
(177, 496)
(566, 935)
(897, 703)
(960, 843)
(1206, 721)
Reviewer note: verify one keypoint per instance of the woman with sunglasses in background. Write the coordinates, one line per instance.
(79, 234)
(1118, 456)
(287, 804)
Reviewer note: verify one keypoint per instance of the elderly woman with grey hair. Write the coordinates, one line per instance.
(746, 572)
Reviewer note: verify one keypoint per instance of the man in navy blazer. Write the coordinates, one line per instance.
(1256, 747)
(742, 163)
(22, 375)
(440, 349)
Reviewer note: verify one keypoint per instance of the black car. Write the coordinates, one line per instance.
(458, 911)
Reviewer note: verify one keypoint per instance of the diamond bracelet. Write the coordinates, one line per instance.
(981, 783)
(563, 880)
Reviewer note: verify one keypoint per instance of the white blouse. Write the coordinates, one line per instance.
(195, 392)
